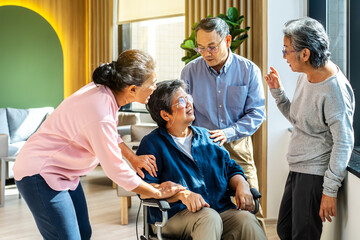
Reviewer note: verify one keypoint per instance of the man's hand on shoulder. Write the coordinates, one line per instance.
(218, 135)
(193, 201)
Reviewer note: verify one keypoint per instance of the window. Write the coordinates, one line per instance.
(336, 23)
(161, 38)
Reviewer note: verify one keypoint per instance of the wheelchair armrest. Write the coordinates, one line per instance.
(256, 196)
(162, 204)
(255, 193)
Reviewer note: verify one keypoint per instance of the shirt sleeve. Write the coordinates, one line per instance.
(254, 109)
(146, 147)
(232, 168)
(103, 139)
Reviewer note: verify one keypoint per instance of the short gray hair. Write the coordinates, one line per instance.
(309, 33)
(161, 99)
(213, 23)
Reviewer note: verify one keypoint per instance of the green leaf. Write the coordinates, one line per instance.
(192, 37)
(235, 44)
(242, 37)
(241, 18)
(223, 16)
(188, 45)
(239, 31)
(193, 57)
(233, 24)
(185, 58)
(233, 14)
(194, 25)
(187, 61)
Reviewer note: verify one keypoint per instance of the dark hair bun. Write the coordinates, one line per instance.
(104, 74)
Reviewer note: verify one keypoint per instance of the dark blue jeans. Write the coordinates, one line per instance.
(58, 214)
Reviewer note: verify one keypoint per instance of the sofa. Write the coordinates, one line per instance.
(16, 126)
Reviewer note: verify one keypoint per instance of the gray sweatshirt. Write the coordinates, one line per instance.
(322, 138)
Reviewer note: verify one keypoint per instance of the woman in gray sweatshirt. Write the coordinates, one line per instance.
(322, 139)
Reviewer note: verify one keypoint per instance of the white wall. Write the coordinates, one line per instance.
(346, 224)
(279, 12)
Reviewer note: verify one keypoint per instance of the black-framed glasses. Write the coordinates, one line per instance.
(284, 52)
(182, 102)
(211, 49)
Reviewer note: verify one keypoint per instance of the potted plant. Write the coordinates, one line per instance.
(238, 34)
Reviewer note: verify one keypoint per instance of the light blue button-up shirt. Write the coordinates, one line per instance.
(232, 100)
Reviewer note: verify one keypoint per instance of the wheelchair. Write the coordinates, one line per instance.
(164, 206)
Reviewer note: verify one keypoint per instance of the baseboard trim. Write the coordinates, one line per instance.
(270, 221)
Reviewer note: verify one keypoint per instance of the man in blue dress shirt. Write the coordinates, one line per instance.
(228, 94)
(187, 156)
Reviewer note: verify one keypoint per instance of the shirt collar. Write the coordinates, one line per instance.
(110, 93)
(164, 133)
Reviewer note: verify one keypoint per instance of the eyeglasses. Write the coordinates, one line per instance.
(183, 101)
(286, 52)
(209, 49)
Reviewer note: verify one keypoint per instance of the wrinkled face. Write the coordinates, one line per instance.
(220, 48)
(146, 89)
(290, 55)
(182, 109)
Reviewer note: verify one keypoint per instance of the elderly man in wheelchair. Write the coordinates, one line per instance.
(187, 156)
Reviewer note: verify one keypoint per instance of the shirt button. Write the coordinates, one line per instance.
(220, 105)
(219, 91)
(221, 120)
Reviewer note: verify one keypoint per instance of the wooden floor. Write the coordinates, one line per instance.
(16, 221)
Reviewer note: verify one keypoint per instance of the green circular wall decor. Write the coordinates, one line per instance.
(31, 60)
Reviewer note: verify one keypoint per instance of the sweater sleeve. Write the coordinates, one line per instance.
(282, 102)
(343, 141)
(103, 139)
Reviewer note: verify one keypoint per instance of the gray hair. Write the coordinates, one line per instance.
(161, 99)
(213, 23)
(309, 33)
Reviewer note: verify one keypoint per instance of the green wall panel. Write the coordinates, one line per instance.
(31, 60)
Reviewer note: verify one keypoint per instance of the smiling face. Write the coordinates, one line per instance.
(217, 58)
(182, 116)
(146, 89)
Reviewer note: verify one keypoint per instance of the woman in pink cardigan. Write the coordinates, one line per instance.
(75, 138)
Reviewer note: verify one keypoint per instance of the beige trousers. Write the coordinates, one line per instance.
(210, 225)
(242, 152)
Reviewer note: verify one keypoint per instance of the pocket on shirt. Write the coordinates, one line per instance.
(236, 97)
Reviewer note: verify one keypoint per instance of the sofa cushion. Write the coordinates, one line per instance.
(24, 122)
(138, 131)
(128, 118)
(4, 128)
